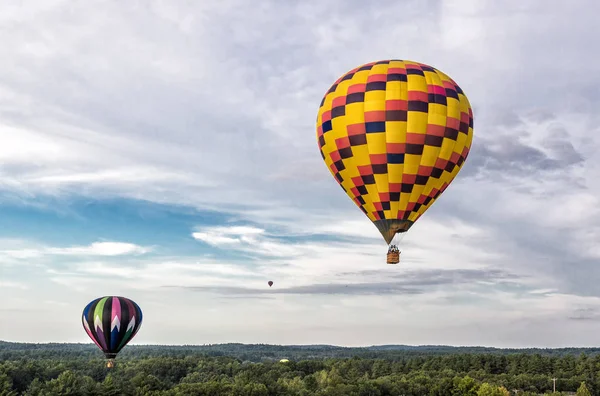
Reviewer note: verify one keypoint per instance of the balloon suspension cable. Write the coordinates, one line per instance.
(393, 254)
(110, 359)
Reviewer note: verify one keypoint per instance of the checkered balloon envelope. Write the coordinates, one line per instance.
(394, 134)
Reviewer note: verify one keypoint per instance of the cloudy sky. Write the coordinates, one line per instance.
(166, 151)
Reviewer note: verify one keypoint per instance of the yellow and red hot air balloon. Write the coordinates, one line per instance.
(394, 134)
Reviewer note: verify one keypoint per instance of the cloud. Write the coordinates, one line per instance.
(250, 240)
(529, 145)
(585, 314)
(94, 249)
(229, 235)
(151, 274)
(404, 282)
(211, 108)
(102, 249)
(13, 285)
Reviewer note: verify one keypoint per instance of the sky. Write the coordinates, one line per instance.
(166, 151)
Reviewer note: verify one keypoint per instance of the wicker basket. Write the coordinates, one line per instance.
(393, 257)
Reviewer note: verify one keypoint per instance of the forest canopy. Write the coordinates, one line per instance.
(237, 369)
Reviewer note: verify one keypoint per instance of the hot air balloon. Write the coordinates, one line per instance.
(111, 322)
(270, 283)
(394, 134)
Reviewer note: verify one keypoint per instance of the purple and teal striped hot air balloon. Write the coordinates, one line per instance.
(111, 322)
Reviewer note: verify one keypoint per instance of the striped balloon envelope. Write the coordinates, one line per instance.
(111, 322)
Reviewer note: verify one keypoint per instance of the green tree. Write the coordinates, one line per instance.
(69, 383)
(146, 383)
(252, 389)
(35, 388)
(504, 391)
(492, 390)
(368, 389)
(6, 385)
(334, 378)
(465, 386)
(110, 387)
(211, 388)
(294, 386)
(583, 390)
(311, 383)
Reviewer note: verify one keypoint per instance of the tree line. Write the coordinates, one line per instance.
(154, 370)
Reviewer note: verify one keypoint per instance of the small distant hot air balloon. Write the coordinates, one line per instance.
(270, 283)
(394, 134)
(111, 322)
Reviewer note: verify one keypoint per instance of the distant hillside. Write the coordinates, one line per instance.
(266, 352)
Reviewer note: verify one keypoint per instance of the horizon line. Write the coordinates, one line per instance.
(311, 345)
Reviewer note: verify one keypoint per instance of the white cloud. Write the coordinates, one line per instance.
(228, 235)
(213, 106)
(247, 239)
(95, 249)
(16, 285)
(102, 249)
